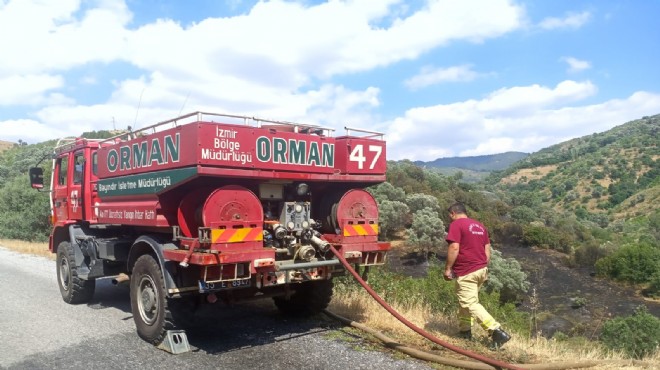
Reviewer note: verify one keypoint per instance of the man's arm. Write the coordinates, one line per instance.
(487, 253)
(452, 253)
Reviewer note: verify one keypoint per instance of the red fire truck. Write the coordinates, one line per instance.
(208, 207)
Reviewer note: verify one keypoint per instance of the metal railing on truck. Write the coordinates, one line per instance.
(208, 117)
(67, 144)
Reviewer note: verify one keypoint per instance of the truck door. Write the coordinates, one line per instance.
(75, 204)
(60, 190)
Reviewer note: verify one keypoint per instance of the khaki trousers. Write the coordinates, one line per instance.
(467, 289)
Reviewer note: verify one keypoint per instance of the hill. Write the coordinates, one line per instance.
(487, 163)
(4, 145)
(473, 169)
(615, 173)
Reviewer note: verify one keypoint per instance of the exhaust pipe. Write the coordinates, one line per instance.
(121, 278)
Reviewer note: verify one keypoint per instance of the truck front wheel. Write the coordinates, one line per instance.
(74, 290)
(149, 301)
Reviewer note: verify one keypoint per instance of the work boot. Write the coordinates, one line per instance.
(466, 334)
(499, 337)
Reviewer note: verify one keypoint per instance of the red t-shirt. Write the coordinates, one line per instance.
(472, 238)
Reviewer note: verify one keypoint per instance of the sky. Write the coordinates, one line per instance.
(440, 78)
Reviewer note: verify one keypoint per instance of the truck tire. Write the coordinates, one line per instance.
(309, 299)
(149, 301)
(74, 290)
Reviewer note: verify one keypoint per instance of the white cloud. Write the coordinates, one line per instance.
(576, 65)
(43, 36)
(329, 106)
(28, 130)
(518, 99)
(287, 43)
(27, 89)
(571, 20)
(525, 118)
(431, 76)
(267, 61)
(286, 36)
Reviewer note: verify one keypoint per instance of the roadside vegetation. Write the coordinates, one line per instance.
(429, 303)
(22, 246)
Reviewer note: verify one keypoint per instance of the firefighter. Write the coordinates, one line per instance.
(468, 255)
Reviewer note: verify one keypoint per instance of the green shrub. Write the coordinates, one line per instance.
(506, 313)
(25, 211)
(523, 214)
(393, 217)
(590, 252)
(506, 276)
(654, 285)
(632, 263)
(637, 335)
(427, 231)
(560, 337)
(578, 302)
(540, 236)
(536, 235)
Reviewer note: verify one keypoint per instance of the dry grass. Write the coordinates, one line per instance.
(4, 145)
(362, 308)
(38, 249)
(535, 173)
(629, 208)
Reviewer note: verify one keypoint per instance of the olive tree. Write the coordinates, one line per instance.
(506, 276)
(387, 191)
(427, 231)
(393, 216)
(417, 202)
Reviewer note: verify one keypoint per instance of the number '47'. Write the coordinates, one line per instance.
(357, 155)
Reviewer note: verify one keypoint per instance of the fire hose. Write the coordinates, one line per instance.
(418, 330)
(472, 365)
(487, 362)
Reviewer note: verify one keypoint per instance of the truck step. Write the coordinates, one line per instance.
(175, 342)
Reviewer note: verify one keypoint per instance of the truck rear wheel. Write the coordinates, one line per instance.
(308, 299)
(149, 301)
(74, 290)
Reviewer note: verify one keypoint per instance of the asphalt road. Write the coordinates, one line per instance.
(40, 331)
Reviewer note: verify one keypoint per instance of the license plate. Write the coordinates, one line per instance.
(205, 286)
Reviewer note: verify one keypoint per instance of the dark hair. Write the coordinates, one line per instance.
(457, 208)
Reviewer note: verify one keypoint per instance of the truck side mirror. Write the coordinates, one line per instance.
(37, 177)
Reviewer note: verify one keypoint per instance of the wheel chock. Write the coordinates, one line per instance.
(175, 342)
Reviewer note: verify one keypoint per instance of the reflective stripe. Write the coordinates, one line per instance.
(488, 324)
(465, 320)
(245, 234)
(361, 229)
